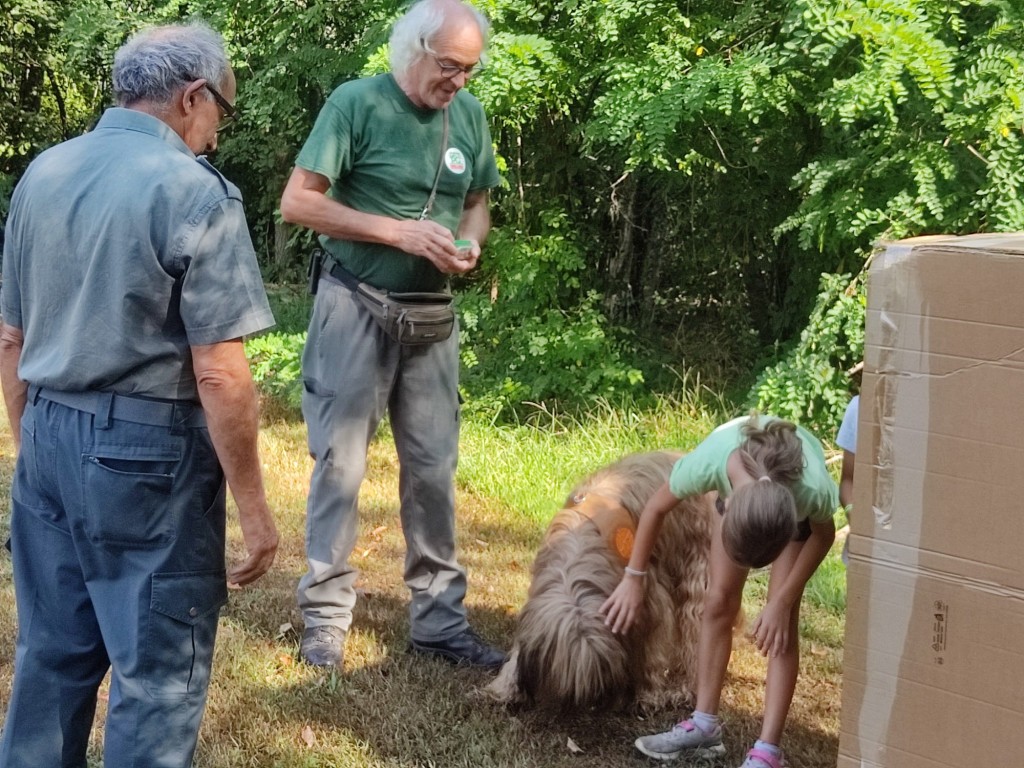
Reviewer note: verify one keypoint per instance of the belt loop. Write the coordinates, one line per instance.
(33, 393)
(104, 407)
(179, 414)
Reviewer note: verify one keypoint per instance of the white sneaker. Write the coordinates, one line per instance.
(685, 738)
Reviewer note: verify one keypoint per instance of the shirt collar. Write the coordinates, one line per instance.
(135, 120)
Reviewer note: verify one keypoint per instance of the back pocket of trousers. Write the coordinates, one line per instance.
(128, 499)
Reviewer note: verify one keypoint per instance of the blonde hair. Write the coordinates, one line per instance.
(762, 515)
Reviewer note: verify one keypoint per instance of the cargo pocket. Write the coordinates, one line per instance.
(181, 633)
(127, 492)
(317, 406)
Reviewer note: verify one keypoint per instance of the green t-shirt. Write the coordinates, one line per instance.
(704, 469)
(381, 153)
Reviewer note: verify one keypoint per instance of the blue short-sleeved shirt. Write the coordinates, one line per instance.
(122, 251)
(704, 469)
(846, 438)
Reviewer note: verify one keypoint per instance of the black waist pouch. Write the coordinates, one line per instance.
(408, 318)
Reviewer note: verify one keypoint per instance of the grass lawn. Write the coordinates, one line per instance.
(392, 710)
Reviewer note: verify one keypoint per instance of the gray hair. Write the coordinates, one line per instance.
(157, 61)
(413, 33)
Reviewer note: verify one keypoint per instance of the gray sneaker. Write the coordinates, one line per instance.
(685, 738)
(323, 646)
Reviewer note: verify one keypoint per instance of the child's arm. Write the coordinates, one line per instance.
(771, 629)
(846, 479)
(622, 608)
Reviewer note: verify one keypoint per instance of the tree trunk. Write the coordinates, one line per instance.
(618, 294)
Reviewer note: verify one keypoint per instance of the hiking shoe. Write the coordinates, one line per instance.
(323, 646)
(463, 648)
(759, 758)
(685, 738)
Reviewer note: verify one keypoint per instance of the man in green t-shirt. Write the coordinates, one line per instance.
(396, 168)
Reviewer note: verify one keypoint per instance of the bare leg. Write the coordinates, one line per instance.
(782, 669)
(721, 604)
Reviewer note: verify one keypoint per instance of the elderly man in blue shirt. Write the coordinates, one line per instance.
(129, 281)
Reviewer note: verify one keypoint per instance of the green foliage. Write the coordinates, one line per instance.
(275, 360)
(41, 103)
(291, 304)
(275, 357)
(524, 78)
(681, 171)
(809, 385)
(519, 343)
(558, 356)
(920, 107)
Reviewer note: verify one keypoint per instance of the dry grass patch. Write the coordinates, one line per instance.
(388, 709)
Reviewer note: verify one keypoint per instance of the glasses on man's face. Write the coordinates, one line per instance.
(452, 70)
(230, 110)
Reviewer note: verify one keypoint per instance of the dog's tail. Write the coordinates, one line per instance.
(568, 658)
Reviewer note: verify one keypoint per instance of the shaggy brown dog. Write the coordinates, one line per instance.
(563, 654)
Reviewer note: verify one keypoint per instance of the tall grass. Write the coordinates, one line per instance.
(529, 465)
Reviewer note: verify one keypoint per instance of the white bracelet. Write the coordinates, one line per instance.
(634, 572)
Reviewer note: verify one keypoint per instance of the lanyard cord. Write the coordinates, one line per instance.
(440, 164)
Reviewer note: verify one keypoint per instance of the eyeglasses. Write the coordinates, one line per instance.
(230, 110)
(452, 71)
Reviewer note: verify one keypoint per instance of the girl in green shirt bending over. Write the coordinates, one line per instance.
(776, 501)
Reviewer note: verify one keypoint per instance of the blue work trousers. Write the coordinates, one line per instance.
(352, 371)
(117, 536)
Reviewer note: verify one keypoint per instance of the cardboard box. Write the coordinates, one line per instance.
(934, 654)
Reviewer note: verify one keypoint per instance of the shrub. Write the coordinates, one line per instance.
(275, 360)
(532, 332)
(810, 384)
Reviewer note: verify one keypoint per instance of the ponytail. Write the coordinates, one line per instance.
(762, 514)
(773, 451)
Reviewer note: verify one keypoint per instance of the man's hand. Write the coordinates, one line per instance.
(260, 535)
(305, 202)
(469, 257)
(232, 416)
(433, 242)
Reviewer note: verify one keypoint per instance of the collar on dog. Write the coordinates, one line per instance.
(612, 520)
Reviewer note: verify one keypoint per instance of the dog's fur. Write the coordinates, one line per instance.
(563, 655)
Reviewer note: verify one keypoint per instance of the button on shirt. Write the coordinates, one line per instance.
(123, 249)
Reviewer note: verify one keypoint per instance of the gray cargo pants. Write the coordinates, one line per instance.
(352, 371)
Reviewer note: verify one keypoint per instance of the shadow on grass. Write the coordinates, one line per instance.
(404, 710)
(395, 708)
(389, 707)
